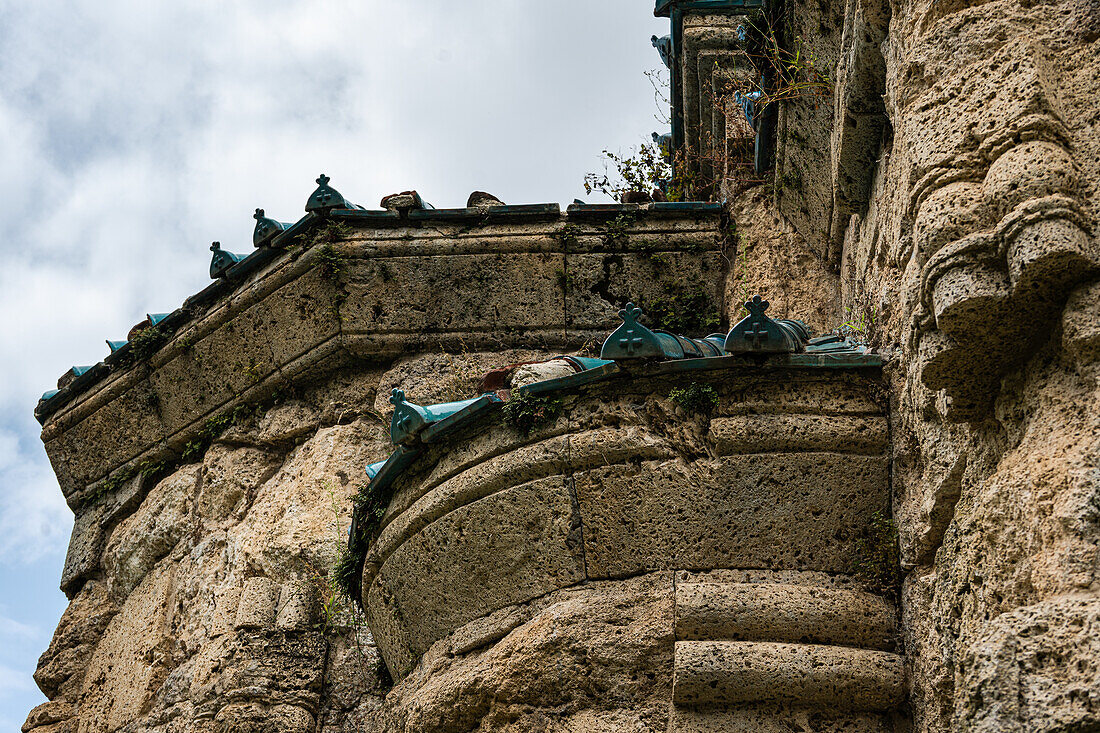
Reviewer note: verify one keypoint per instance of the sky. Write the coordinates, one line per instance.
(134, 133)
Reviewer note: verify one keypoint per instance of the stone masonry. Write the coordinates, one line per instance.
(911, 543)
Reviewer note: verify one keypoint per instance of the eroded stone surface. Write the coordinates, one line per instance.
(941, 203)
(732, 672)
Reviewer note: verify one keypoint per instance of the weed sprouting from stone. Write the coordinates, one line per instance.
(567, 281)
(147, 343)
(688, 312)
(331, 263)
(617, 230)
(863, 324)
(369, 507)
(877, 561)
(699, 399)
(567, 234)
(525, 412)
(331, 231)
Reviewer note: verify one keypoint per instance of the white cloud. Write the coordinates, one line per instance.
(34, 520)
(12, 629)
(13, 681)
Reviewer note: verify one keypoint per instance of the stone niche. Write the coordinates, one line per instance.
(633, 563)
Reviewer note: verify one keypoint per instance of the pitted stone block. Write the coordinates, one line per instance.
(797, 511)
(259, 600)
(767, 433)
(783, 613)
(297, 607)
(733, 673)
(507, 548)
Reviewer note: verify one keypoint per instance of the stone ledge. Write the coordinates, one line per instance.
(734, 672)
(783, 613)
(289, 319)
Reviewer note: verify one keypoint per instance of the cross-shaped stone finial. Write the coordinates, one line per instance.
(756, 307)
(630, 340)
(216, 247)
(397, 397)
(259, 214)
(323, 180)
(758, 334)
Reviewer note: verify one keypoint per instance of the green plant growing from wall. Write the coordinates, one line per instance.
(567, 235)
(617, 230)
(687, 311)
(567, 281)
(863, 324)
(148, 470)
(526, 412)
(877, 561)
(147, 342)
(738, 269)
(648, 169)
(338, 611)
(330, 232)
(639, 171)
(791, 179)
(209, 431)
(786, 69)
(339, 590)
(369, 507)
(698, 399)
(331, 263)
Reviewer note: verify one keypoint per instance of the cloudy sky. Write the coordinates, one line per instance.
(134, 133)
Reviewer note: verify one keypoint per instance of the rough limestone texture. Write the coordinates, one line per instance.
(964, 154)
(378, 294)
(624, 490)
(772, 258)
(633, 566)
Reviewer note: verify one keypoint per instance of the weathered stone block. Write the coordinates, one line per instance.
(504, 549)
(130, 658)
(774, 719)
(783, 613)
(765, 433)
(259, 601)
(296, 608)
(47, 714)
(149, 534)
(734, 673)
(396, 301)
(777, 511)
(661, 280)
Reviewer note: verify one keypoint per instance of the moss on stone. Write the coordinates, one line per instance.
(525, 412)
(877, 562)
(696, 398)
(686, 311)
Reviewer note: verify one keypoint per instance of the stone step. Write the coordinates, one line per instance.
(777, 719)
(831, 678)
(781, 612)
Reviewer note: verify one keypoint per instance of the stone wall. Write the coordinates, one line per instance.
(941, 201)
(212, 480)
(973, 253)
(612, 571)
(632, 565)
